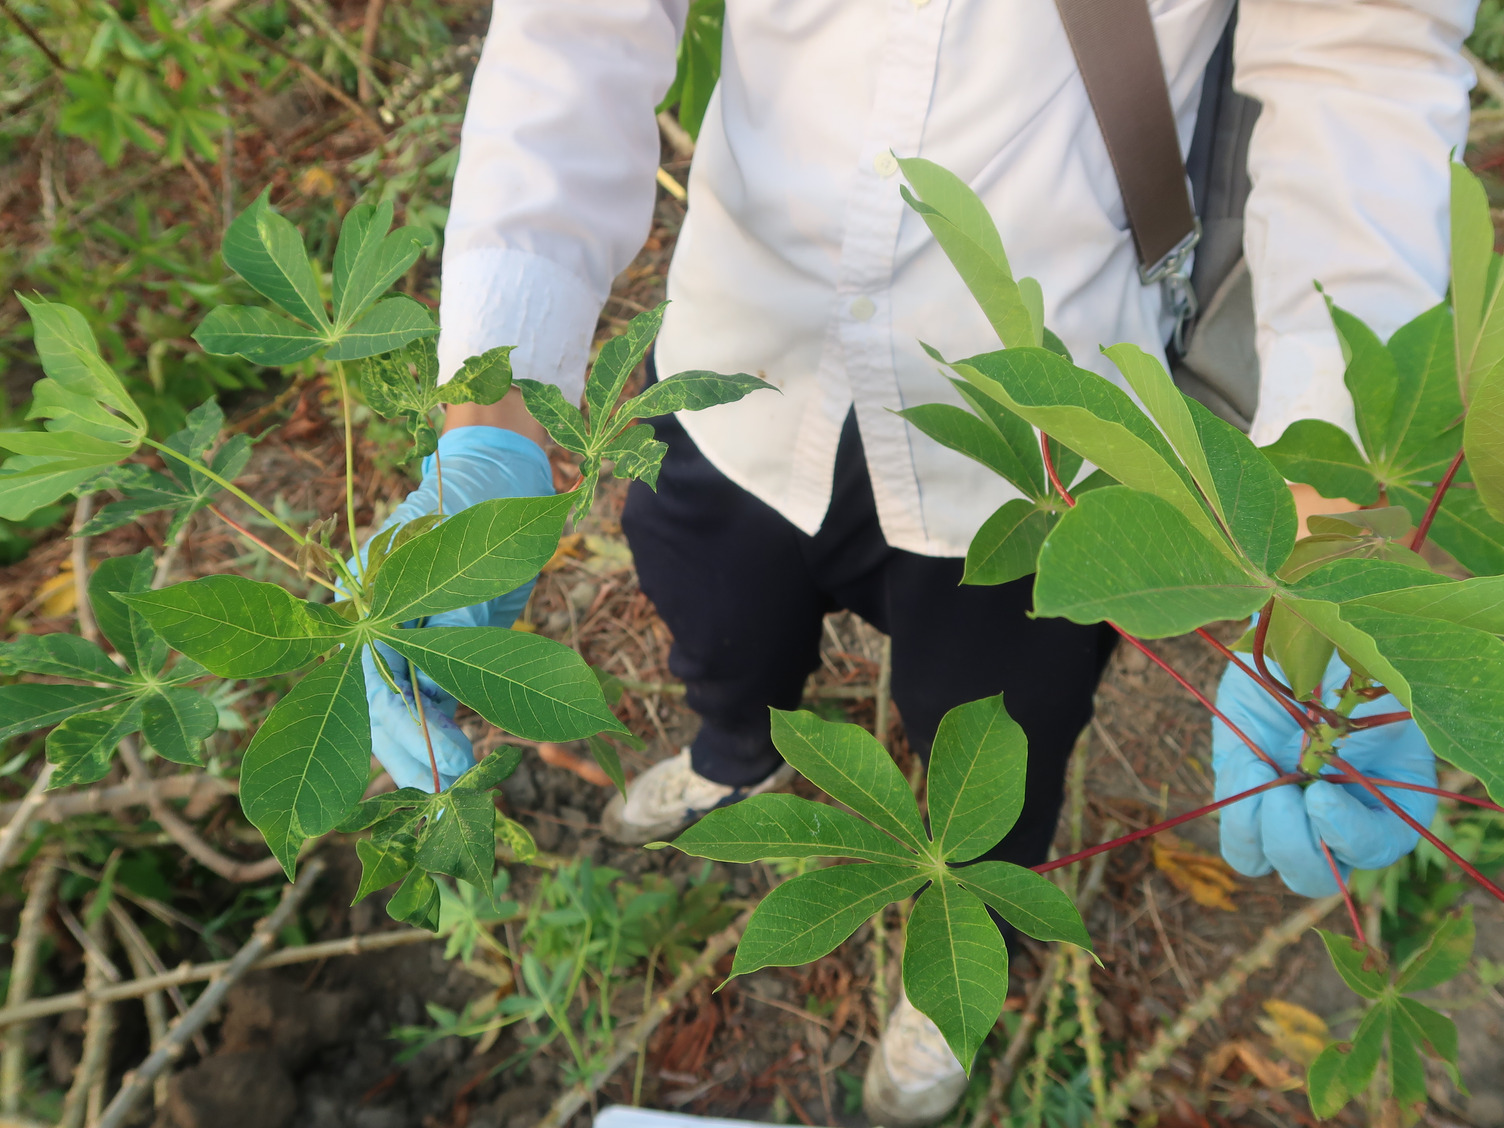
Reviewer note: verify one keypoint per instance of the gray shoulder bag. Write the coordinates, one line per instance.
(1212, 352)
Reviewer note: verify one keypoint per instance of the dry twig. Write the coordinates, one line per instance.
(10, 837)
(139, 1081)
(100, 800)
(86, 1094)
(42, 884)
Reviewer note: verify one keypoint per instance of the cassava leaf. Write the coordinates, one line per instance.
(530, 686)
(635, 453)
(976, 438)
(1360, 967)
(459, 837)
(1444, 955)
(1131, 557)
(60, 656)
(688, 391)
(369, 259)
(1007, 545)
(257, 334)
(849, 765)
(175, 721)
(125, 627)
(383, 863)
(618, 359)
(27, 707)
(809, 915)
(955, 966)
(1483, 438)
(490, 770)
(307, 764)
(1324, 456)
(240, 628)
(84, 744)
(563, 421)
(976, 778)
(1474, 300)
(478, 554)
(387, 325)
(1030, 902)
(266, 250)
(785, 826)
(609, 762)
(416, 902)
(81, 393)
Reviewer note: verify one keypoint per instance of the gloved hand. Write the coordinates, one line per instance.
(480, 464)
(1281, 829)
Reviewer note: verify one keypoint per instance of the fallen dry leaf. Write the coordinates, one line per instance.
(571, 547)
(561, 757)
(1207, 878)
(1270, 1074)
(57, 594)
(1297, 1033)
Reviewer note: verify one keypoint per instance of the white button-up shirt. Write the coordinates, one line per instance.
(799, 262)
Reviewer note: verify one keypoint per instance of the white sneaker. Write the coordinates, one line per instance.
(913, 1080)
(669, 796)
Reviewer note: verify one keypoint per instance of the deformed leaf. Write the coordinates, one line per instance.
(84, 744)
(383, 863)
(1362, 968)
(416, 902)
(688, 391)
(490, 770)
(618, 359)
(563, 421)
(459, 836)
(635, 453)
(481, 379)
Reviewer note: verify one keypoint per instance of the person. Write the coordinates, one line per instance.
(799, 261)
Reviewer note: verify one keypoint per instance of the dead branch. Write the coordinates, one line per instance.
(195, 786)
(1171, 1038)
(198, 973)
(10, 837)
(368, 37)
(82, 511)
(140, 1081)
(86, 1093)
(154, 1004)
(42, 884)
(185, 836)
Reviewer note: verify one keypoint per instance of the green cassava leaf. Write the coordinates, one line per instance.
(27, 707)
(481, 379)
(387, 325)
(688, 391)
(785, 826)
(1442, 957)
(459, 837)
(976, 778)
(1097, 420)
(266, 250)
(416, 902)
(809, 915)
(1030, 902)
(368, 259)
(955, 966)
(307, 764)
(1483, 439)
(563, 421)
(849, 765)
(1303, 652)
(125, 627)
(1019, 437)
(699, 65)
(46, 466)
(1476, 293)
(1324, 456)
(490, 770)
(1361, 967)
(1463, 526)
(60, 656)
(84, 744)
(383, 863)
(618, 359)
(1359, 577)
(609, 762)
(1326, 1082)
(975, 437)
(240, 628)
(175, 721)
(966, 233)
(479, 553)
(1436, 1032)
(1130, 557)
(1407, 1072)
(1007, 545)
(1476, 603)
(256, 333)
(532, 687)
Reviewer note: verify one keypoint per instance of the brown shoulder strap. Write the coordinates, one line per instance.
(1118, 57)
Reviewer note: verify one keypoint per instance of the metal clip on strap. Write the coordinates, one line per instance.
(1173, 273)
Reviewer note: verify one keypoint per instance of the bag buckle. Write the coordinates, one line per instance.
(1173, 273)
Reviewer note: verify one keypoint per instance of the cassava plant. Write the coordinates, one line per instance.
(308, 764)
(1182, 523)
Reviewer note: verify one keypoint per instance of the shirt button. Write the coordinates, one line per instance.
(885, 163)
(862, 309)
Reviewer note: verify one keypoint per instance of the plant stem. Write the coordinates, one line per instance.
(268, 549)
(1347, 894)
(1296, 713)
(1379, 719)
(1049, 468)
(194, 464)
(41, 885)
(1438, 792)
(83, 509)
(1169, 824)
(1442, 486)
(433, 761)
(1197, 694)
(647, 1007)
(1463, 864)
(1044, 1045)
(344, 402)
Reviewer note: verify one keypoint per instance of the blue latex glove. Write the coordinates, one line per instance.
(480, 464)
(1279, 829)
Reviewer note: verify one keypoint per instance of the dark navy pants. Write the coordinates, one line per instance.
(744, 592)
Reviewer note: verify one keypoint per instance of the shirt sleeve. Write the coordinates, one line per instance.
(1364, 102)
(554, 191)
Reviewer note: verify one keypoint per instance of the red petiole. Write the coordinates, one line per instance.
(1347, 896)
(1441, 491)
